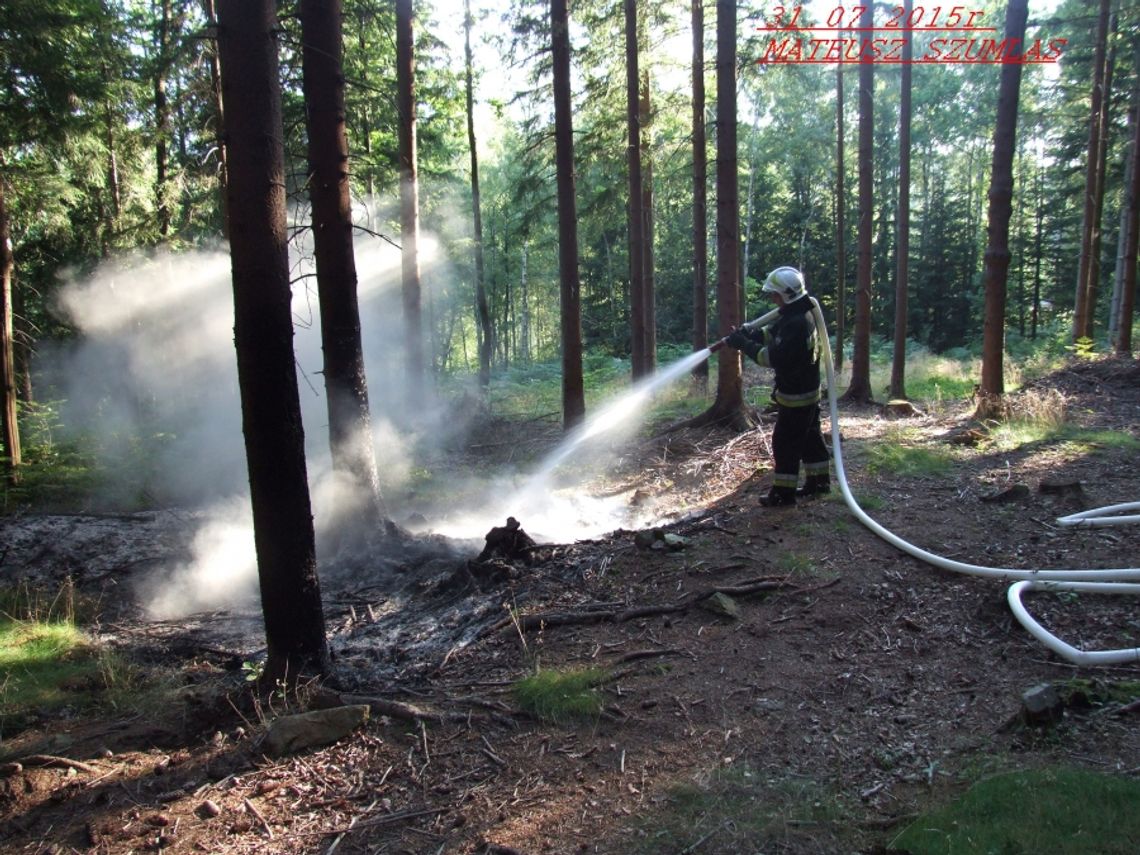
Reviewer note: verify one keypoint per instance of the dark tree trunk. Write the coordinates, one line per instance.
(649, 292)
(996, 260)
(114, 205)
(573, 392)
(902, 280)
(1082, 309)
(1123, 342)
(219, 118)
(840, 222)
(409, 200)
(728, 407)
(162, 119)
(482, 312)
(859, 390)
(8, 408)
(700, 198)
(346, 387)
(1093, 281)
(263, 336)
(639, 362)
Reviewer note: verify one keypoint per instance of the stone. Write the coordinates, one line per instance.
(722, 604)
(1041, 705)
(293, 733)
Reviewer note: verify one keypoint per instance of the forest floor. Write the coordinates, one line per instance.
(856, 687)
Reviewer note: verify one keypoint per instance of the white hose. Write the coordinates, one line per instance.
(1118, 581)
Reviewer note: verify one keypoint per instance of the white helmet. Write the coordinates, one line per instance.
(787, 282)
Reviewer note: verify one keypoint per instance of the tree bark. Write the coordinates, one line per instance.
(162, 119)
(996, 259)
(482, 312)
(902, 281)
(346, 386)
(1082, 310)
(263, 337)
(650, 291)
(8, 409)
(639, 359)
(409, 201)
(219, 117)
(729, 404)
(840, 221)
(573, 392)
(700, 197)
(859, 389)
(1123, 341)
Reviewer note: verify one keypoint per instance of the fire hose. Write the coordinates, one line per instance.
(1079, 580)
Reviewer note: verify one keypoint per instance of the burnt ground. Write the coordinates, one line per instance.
(856, 687)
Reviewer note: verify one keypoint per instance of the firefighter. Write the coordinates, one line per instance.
(790, 346)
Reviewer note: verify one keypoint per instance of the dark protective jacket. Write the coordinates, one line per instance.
(790, 345)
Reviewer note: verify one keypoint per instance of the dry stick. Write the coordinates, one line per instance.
(252, 808)
(546, 619)
(51, 760)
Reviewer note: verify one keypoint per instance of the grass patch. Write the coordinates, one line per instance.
(738, 811)
(1044, 812)
(562, 696)
(44, 665)
(896, 455)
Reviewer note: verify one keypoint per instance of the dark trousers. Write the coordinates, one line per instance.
(797, 437)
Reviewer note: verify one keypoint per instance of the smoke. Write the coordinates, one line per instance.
(150, 381)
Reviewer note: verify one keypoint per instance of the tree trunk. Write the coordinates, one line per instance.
(996, 260)
(859, 390)
(263, 336)
(114, 207)
(219, 117)
(8, 409)
(1093, 281)
(649, 291)
(162, 119)
(482, 312)
(639, 359)
(573, 392)
(902, 280)
(729, 404)
(1122, 234)
(1082, 311)
(700, 198)
(1123, 341)
(409, 201)
(840, 222)
(346, 386)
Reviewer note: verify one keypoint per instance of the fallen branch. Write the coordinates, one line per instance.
(548, 619)
(51, 760)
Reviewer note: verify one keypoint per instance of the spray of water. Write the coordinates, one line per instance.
(562, 512)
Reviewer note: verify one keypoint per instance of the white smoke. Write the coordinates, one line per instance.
(151, 380)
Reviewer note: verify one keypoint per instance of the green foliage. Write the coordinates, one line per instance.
(740, 809)
(562, 696)
(1044, 812)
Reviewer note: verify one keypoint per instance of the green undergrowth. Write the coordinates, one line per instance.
(898, 452)
(1060, 811)
(562, 696)
(51, 667)
(738, 809)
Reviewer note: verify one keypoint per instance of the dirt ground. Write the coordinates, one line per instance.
(856, 685)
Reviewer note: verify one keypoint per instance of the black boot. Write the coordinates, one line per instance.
(815, 485)
(779, 497)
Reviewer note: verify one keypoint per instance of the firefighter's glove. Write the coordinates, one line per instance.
(757, 334)
(742, 341)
